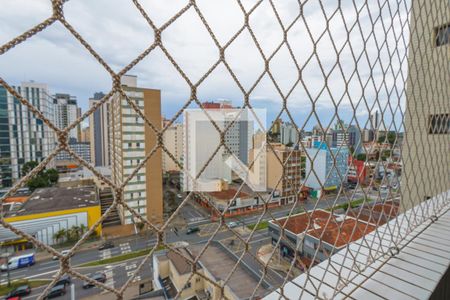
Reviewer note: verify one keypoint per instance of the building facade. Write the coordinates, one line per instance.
(284, 172)
(131, 140)
(99, 132)
(66, 112)
(23, 136)
(83, 150)
(288, 134)
(426, 142)
(173, 141)
(330, 167)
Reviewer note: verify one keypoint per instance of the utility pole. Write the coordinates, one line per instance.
(72, 291)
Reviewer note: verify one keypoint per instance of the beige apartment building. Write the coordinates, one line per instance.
(173, 141)
(285, 163)
(426, 147)
(131, 140)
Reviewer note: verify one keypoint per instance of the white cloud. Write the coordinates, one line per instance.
(117, 31)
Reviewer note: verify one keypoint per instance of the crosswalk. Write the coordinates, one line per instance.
(130, 271)
(105, 254)
(125, 248)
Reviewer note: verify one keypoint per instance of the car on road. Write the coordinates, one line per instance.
(100, 277)
(56, 291)
(179, 196)
(192, 230)
(106, 245)
(64, 252)
(18, 262)
(232, 224)
(20, 291)
(64, 280)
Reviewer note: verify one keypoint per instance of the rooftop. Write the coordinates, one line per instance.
(180, 263)
(334, 230)
(219, 264)
(379, 213)
(229, 194)
(299, 223)
(57, 198)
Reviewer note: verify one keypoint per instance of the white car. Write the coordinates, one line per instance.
(64, 252)
(232, 224)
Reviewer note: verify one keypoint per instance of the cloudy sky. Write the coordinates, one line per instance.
(374, 48)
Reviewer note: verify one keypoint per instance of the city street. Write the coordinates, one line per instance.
(118, 273)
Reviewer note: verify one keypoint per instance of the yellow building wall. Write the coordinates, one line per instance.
(93, 215)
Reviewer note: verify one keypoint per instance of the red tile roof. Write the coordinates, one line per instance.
(228, 194)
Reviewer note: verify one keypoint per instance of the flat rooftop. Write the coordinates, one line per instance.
(220, 264)
(57, 198)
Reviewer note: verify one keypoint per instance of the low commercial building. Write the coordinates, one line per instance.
(171, 272)
(357, 171)
(316, 235)
(245, 202)
(48, 210)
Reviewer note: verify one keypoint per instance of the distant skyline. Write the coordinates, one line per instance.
(117, 31)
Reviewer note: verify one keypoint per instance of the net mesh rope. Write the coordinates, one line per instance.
(376, 46)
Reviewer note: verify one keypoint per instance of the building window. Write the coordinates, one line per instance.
(439, 124)
(442, 35)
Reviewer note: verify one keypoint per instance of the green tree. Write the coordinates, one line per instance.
(361, 156)
(37, 182)
(52, 176)
(391, 137)
(59, 235)
(28, 166)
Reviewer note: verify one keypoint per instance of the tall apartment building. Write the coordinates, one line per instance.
(426, 143)
(327, 172)
(131, 140)
(99, 132)
(173, 141)
(285, 177)
(23, 136)
(85, 135)
(288, 134)
(66, 112)
(349, 137)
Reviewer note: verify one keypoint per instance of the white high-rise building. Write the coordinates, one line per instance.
(288, 133)
(27, 137)
(66, 112)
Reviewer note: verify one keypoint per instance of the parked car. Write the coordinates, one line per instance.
(19, 262)
(179, 196)
(106, 245)
(232, 224)
(20, 291)
(65, 280)
(100, 277)
(64, 252)
(56, 291)
(192, 230)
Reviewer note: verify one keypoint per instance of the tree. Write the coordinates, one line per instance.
(59, 235)
(42, 179)
(361, 156)
(391, 137)
(52, 175)
(28, 166)
(37, 182)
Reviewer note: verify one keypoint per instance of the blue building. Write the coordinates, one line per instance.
(330, 166)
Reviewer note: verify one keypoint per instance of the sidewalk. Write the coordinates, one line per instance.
(44, 255)
(276, 262)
